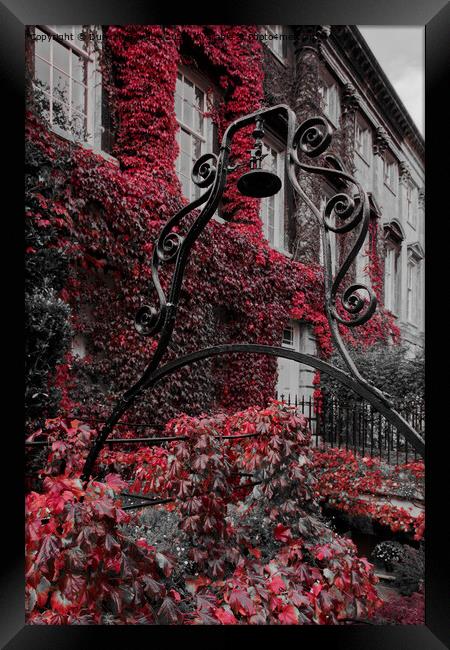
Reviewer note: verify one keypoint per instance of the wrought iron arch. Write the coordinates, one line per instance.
(344, 212)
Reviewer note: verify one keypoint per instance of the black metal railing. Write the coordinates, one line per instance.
(357, 426)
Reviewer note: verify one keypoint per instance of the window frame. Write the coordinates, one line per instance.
(390, 180)
(392, 301)
(284, 55)
(411, 204)
(332, 238)
(302, 336)
(92, 139)
(363, 127)
(279, 228)
(413, 272)
(206, 138)
(328, 84)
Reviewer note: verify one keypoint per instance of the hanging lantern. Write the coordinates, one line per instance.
(258, 183)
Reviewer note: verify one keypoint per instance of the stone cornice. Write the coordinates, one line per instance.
(348, 40)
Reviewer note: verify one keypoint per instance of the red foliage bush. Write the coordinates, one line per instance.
(82, 565)
(402, 610)
(344, 479)
(82, 569)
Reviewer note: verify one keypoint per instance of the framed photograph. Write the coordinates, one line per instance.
(225, 279)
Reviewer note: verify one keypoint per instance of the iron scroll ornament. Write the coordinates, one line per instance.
(343, 213)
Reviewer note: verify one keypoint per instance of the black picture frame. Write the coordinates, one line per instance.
(14, 15)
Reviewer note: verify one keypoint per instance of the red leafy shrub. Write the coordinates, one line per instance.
(402, 610)
(346, 482)
(259, 550)
(81, 568)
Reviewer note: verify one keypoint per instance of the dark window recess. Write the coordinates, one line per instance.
(107, 139)
(216, 150)
(215, 142)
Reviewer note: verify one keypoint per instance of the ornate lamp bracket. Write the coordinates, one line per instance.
(345, 306)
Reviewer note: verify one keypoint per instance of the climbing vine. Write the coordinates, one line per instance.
(105, 218)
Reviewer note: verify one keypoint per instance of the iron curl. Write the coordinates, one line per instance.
(204, 171)
(354, 304)
(346, 209)
(313, 136)
(149, 320)
(168, 248)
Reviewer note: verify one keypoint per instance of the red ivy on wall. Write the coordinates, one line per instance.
(108, 217)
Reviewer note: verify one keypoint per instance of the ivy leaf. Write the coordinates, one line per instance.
(104, 507)
(217, 568)
(73, 586)
(276, 585)
(299, 599)
(169, 614)
(225, 615)
(30, 599)
(329, 575)
(60, 603)
(115, 482)
(282, 533)
(42, 591)
(49, 548)
(323, 552)
(152, 588)
(241, 603)
(193, 584)
(289, 615)
(75, 558)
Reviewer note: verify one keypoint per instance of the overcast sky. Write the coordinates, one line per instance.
(400, 52)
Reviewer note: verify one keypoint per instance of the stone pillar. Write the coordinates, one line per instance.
(308, 44)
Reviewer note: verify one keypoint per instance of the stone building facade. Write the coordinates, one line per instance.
(332, 71)
(315, 69)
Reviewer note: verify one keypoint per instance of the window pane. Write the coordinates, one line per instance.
(61, 56)
(79, 68)
(60, 86)
(288, 336)
(199, 104)
(178, 106)
(42, 74)
(188, 91)
(197, 149)
(188, 111)
(63, 29)
(60, 114)
(42, 46)
(185, 142)
(185, 164)
(79, 125)
(78, 97)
